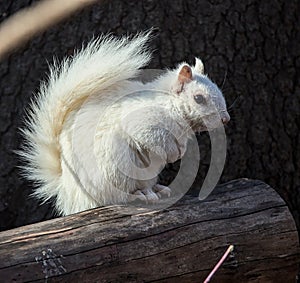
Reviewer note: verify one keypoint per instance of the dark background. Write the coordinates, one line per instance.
(255, 45)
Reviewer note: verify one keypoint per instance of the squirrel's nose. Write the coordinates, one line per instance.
(225, 119)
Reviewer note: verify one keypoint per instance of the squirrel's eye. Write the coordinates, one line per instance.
(200, 99)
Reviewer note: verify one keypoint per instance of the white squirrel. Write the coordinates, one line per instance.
(94, 136)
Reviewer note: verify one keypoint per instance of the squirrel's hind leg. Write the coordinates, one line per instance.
(151, 195)
(145, 195)
(161, 190)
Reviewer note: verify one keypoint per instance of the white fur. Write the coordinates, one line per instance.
(94, 135)
(199, 67)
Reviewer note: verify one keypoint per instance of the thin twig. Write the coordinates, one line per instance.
(211, 274)
(23, 25)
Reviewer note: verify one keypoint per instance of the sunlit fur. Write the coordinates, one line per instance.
(90, 121)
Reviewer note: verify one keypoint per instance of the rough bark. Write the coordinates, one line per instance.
(178, 244)
(256, 43)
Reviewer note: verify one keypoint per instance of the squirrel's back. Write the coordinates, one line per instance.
(104, 64)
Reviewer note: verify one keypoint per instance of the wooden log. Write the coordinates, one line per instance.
(179, 244)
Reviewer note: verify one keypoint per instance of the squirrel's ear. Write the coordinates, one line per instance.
(199, 67)
(185, 74)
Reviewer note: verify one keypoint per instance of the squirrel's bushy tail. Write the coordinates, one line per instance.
(105, 62)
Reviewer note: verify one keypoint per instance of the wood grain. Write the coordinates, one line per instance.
(179, 244)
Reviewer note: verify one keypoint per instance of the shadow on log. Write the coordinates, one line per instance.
(179, 244)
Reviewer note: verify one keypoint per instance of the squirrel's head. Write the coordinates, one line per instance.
(201, 100)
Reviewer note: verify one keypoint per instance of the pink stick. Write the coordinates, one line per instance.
(211, 274)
